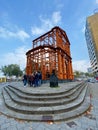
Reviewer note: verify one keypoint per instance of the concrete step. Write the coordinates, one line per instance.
(52, 117)
(48, 92)
(42, 102)
(43, 109)
(38, 96)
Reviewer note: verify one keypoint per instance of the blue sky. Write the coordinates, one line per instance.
(22, 21)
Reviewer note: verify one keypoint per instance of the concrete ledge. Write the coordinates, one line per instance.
(59, 81)
(46, 100)
(75, 103)
(56, 117)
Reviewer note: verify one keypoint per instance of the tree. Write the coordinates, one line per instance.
(76, 74)
(89, 74)
(12, 69)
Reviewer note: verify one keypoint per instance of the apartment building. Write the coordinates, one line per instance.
(91, 35)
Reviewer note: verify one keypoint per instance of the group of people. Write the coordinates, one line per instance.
(33, 80)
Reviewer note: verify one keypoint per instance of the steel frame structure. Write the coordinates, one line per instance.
(51, 51)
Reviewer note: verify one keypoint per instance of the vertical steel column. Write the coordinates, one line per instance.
(51, 51)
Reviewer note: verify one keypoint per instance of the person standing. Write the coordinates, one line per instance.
(39, 78)
(31, 78)
(36, 79)
(25, 80)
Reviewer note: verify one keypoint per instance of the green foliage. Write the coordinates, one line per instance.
(89, 74)
(78, 74)
(12, 69)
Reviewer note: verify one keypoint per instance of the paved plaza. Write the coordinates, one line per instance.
(88, 121)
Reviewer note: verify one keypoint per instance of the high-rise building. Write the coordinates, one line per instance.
(89, 70)
(91, 35)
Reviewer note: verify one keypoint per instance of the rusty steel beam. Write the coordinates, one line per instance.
(51, 51)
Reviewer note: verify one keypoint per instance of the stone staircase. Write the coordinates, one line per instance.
(46, 105)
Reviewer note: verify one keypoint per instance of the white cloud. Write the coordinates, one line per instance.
(19, 34)
(22, 35)
(37, 31)
(83, 29)
(80, 65)
(81, 20)
(56, 17)
(96, 1)
(16, 57)
(81, 24)
(47, 24)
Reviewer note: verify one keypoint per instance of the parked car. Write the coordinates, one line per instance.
(92, 80)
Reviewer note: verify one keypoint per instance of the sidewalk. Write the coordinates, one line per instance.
(85, 122)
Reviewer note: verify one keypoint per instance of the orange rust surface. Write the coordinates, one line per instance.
(51, 51)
